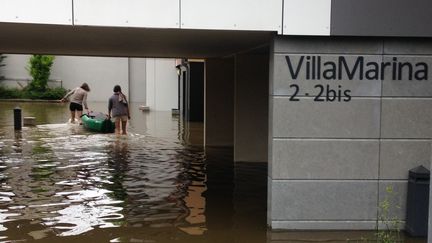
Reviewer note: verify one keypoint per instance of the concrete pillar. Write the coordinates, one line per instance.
(161, 84)
(251, 107)
(137, 80)
(195, 92)
(429, 238)
(219, 102)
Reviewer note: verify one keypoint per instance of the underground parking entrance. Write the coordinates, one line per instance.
(193, 175)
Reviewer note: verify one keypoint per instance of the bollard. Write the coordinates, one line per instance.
(418, 202)
(17, 118)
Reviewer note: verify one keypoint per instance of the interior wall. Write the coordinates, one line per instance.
(219, 102)
(251, 107)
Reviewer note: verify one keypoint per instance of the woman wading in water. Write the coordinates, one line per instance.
(78, 99)
(118, 109)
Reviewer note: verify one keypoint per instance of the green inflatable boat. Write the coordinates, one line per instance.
(97, 122)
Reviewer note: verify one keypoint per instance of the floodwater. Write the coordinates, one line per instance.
(60, 183)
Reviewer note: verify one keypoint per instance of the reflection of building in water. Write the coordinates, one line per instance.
(118, 163)
(195, 202)
(194, 199)
(160, 183)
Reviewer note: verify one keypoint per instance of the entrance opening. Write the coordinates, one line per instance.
(198, 176)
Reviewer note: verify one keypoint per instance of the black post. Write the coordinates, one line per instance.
(17, 118)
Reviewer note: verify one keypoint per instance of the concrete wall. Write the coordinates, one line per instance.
(381, 18)
(102, 73)
(251, 107)
(219, 102)
(430, 209)
(330, 162)
(236, 105)
(162, 84)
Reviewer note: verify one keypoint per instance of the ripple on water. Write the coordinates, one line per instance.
(73, 181)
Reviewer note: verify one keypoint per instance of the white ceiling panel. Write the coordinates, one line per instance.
(232, 14)
(36, 11)
(127, 13)
(307, 17)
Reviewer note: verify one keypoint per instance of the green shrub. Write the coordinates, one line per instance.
(8, 93)
(40, 70)
(2, 57)
(48, 94)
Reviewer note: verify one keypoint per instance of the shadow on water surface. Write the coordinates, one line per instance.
(60, 183)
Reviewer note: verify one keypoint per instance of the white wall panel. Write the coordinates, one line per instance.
(131, 13)
(307, 17)
(166, 84)
(161, 84)
(137, 80)
(36, 11)
(232, 14)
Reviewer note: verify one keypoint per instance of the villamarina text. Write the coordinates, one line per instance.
(317, 69)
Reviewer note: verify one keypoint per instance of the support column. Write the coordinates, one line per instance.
(429, 238)
(219, 102)
(251, 107)
(137, 80)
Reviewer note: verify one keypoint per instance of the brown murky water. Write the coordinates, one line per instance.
(60, 183)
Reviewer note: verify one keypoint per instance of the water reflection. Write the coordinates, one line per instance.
(59, 180)
(60, 183)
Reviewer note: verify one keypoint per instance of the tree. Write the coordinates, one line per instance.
(40, 70)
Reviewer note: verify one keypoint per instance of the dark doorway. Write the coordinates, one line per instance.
(194, 93)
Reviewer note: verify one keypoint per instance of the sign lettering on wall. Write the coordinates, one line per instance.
(325, 68)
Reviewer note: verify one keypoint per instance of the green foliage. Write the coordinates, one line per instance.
(2, 57)
(387, 226)
(40, 70)
(48, 94)
(391, 224)
(7, 93)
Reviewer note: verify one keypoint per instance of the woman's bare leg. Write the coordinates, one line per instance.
(117, 126)
(79, 116)
(124, 123)
(72, 117)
